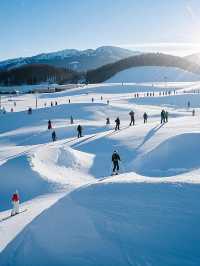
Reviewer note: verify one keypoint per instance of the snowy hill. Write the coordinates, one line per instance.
(153, 74)
(73, 212)
(72, 58)
(146, 64)
(114, 223)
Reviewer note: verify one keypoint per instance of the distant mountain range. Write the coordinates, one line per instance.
(72, 59)
(93, 66)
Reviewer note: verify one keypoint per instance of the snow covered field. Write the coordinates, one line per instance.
(154, 74)
(75, 212)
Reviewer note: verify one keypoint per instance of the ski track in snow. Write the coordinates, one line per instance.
(48, 174)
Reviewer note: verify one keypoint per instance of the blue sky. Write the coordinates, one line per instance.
(30, 27)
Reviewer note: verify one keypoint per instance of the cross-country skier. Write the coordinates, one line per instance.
(29, 111)
(107, 121)
(132, 115)
(79, 129)
(53, 136)
(166, 116)
(115, 161)
(145, 116)
(15, 202)
(49, 125)
(117, 121)
(162, 115)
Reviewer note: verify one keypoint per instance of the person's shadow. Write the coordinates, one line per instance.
(149, 135)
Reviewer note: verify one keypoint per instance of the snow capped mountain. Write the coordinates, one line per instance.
(86, 59)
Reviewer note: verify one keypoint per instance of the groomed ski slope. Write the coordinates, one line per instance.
(153, 74)
(77, 214)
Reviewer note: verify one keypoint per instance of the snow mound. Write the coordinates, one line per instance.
(174, 156)
(45, 169)
(114, 224)
(62, 164)
(153, 74)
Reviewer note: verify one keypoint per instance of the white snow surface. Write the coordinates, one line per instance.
(73, 211)
(153, 74)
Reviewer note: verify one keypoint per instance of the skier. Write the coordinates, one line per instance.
(117, 121)
(49, 125)
(188, 104)
(15, 202)
(166, 116)
(79, 129)
(108, 102)
(107, 121)
(145, 116)
(29, 111)
(193, 112)
(132, 115)
(69, 101)
(162, 114)
(92, 99)
(115, 161)
(51, 104)
(53, 136)
(71, 120)
(101, 97)
(56, 103)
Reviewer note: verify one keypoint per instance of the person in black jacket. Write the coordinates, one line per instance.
(115, 160)
(145, 116)
(79, 129)
(54, 136)
(132, 116)
(162, 115)
(117, 121)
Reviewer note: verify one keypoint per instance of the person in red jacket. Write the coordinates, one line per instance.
(15, 202)
(49, 125)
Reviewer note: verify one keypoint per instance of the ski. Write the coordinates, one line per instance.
(11, 216)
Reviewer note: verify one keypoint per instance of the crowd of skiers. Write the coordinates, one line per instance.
(164, 119)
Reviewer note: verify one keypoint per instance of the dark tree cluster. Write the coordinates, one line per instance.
(37, 74)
